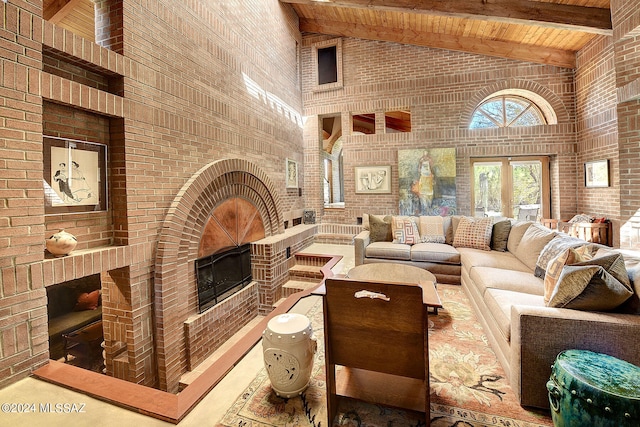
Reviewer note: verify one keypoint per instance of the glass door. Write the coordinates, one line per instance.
(511, 187)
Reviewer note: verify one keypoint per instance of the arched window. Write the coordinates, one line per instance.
(512, 108)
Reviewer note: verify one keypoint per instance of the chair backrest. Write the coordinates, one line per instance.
(376, 334)
(528, 214)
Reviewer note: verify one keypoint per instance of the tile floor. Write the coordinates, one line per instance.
(78, 410)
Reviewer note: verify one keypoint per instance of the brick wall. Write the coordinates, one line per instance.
(597, 127)
(625, 16)
(175, 85)
(441, 88)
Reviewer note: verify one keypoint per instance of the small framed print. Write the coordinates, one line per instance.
(291, 170)
(75, 176)
(596, 174)
(373, 179)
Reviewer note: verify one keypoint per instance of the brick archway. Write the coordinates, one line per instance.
(174, 279)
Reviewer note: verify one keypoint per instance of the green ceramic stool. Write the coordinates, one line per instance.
(594, 389)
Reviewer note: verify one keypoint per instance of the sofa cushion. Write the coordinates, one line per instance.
(554, 248)
(532, 243)
(518, 229)
(380, 229)
(500, 235)
(509, 280)
(554, 268)
(388, 250)
(599, 284)
(471, 258)
(435, 252)
(473, 233)
(431, 229)
(404, 230)
(498, 304)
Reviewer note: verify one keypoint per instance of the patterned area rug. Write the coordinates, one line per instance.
(468, 385)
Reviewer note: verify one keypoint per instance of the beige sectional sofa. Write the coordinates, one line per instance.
(508, 298)
(441, 259)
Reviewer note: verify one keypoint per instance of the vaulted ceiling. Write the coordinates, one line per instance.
(540, 31)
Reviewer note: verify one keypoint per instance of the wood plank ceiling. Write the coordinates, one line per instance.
(540, 31)
(77, 16)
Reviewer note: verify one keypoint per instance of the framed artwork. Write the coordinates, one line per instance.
(373, 179)
(291, 177)
(596, 174)
(75, 176)
(427, 181)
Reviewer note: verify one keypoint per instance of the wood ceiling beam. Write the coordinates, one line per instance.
(559, 16)
(541, 55)
(55, 11)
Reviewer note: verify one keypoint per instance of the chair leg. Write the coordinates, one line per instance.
(332, 400)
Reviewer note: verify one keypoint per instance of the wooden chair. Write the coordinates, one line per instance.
(379, 338)
(590, 231)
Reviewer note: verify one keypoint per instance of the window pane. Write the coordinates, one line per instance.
(494, 110)
(327, 65)
(527, 189)
(487, 189)
(529, 118)
(480, 121)
(514, 108)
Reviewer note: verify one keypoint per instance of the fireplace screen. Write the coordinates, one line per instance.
(222, 274)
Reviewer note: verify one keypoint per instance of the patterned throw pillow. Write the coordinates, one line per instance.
(431, 229)
(599, 284)
(554, 268)
(404, 230)
(553, 249)
(473, 233)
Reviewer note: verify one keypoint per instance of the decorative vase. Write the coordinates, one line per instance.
(61, 243)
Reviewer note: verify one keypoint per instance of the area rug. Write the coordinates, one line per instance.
(468, 385)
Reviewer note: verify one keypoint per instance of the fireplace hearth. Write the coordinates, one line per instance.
(221, 274)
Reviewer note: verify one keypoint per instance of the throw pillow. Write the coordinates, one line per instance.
(451, 230)
(552, 250)
(431, 229)
(598, 284)
(404, 230)
(580, 218)
(500, 235)
(88, 301)
(473, 233)
(531, 244)
(518, 229)
(380, 229)
(554, 268)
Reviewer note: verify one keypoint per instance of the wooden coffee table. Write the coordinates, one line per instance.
(400, 273)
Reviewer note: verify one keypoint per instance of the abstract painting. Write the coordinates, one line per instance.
(427, 181)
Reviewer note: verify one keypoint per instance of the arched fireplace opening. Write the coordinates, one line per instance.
(228, 203)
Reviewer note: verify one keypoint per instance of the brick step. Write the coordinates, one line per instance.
(339, 239)
(293, 286)
(300, 272)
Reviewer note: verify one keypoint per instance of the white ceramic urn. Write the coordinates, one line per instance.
(288, 349)
(61, 243)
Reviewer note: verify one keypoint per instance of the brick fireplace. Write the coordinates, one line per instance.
(226, 203)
